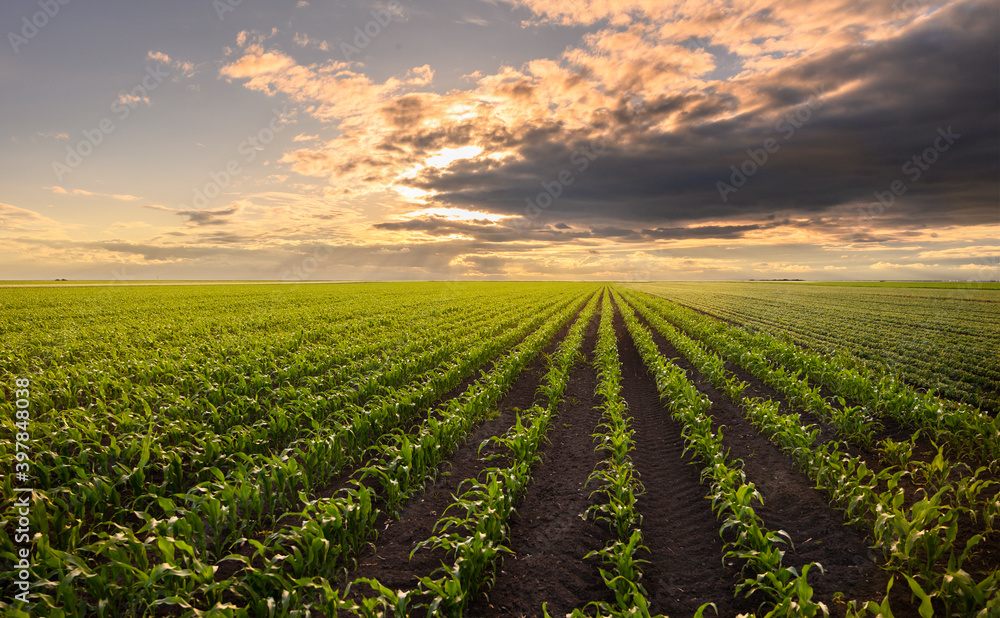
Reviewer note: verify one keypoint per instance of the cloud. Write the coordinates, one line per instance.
(646, 138)
(303, 40)
(333, 91)
(782, 267)
(16, 219)
(476, 21)
(182, 69)
(131, 100)
(707, 231)
(201, 218)
(258, 64)
(130, 225)
(891, 266)
(115, 196)
(8, 212)
(619, 141)
(962, 252)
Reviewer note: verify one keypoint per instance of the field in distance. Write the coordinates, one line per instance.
(500, 449)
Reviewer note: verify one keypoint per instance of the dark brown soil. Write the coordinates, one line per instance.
(685, 567)
(792, 504)
(550, 534)
(389, 560)
(291, 518)
(229, 568)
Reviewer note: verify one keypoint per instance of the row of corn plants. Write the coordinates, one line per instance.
(107, 477)
(853, 423)
(972, 490)
(971, 433)
(237, 374)
(292, 414)
(472, 536)
(263, 409)
(256, 490)
(619, 486)
(943, 338)
(747, 538)
(337, 528)
(113, 563)
(917, 540)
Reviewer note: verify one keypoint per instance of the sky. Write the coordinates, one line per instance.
(500, 139)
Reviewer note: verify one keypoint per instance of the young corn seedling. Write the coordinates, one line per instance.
(895, 453)
(731, 496)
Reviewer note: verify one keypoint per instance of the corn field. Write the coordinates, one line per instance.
(369, 449)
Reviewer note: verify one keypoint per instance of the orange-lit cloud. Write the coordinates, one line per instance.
(604, 157)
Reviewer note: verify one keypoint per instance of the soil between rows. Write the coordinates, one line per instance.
(793, 504)
(389, 560)
(685, 568)
(291, 518)
(550, 534)
(986, 555)
(230, 568)
(891, 429)
(433, 410)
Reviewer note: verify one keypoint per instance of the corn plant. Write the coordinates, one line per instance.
(474, 526)
(972, 434)
(732, 497)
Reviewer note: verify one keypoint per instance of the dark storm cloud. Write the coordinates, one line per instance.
(705, 231)
(200, 218)
(487, 231)
(615, 233)
(881, 105)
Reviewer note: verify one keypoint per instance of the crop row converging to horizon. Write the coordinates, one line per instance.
(407, 449)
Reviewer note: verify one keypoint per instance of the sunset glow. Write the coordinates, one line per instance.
(447, 156)
(538, 139)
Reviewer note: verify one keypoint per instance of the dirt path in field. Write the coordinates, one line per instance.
(389, 561)
(549, 535)
(678, 526)
(792, 504)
